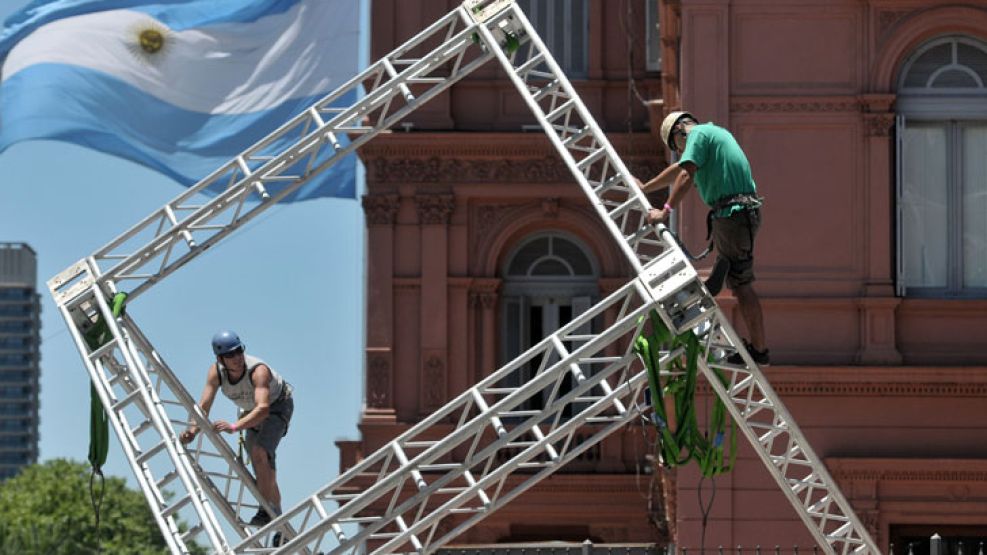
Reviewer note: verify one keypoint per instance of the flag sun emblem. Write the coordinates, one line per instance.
(149, 41)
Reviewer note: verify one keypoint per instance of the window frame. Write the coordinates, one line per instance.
(955, 109)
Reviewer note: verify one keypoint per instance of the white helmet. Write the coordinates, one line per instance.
(669, 123)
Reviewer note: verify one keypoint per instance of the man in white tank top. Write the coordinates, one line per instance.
(265, 403)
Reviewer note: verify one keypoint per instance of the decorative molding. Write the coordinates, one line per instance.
(878, 381)
(878, 125)
(877, 331)
(488, 221)
(433, 380)
(489, 146)
(550, 207)
(381, 209)
(911, 475)
(549, 169)
(877, 389)
(435, 209)
(826, 104)
(888, 18)
(877, 103)
(455, 158)
(871, 520)
(407, 282)
(488, 217)
(484, 292)
(378, 379)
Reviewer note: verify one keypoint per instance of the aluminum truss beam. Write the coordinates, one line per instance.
(512, 429)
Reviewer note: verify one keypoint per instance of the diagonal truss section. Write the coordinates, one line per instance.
(780, 444)
(145, 402)
(423, 489)
(139, 418)
(511, 430)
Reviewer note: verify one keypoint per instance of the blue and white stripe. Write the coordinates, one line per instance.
(227, 73)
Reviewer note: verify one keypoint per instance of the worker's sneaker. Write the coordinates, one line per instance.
(278, 540)
(762, 358)
(261, 518)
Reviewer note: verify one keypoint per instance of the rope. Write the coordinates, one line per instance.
(97, 503)
(705, 510)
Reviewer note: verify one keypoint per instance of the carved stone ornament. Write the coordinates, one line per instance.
(871, 521)
(487, 217)
(381, 209)
(550, 207)
(887, 18)
(483, 292)
(435, 209)
(378, 381)
(779, 105)
(878, 125)
(549, 169)
(433, 376)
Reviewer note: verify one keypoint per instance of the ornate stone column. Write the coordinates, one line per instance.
(434, 212)
(484, 291)
(878, 304)
(380, 211)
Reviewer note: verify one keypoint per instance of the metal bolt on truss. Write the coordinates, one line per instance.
(512, 429)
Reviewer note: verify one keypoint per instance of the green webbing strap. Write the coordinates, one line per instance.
(99, 422)
(686, 441)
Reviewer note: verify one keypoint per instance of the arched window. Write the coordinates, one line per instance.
(549, 279)
(942, 170)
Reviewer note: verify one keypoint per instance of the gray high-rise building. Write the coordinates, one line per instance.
(20, 327)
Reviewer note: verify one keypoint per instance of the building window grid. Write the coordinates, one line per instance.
(652, 36)
(941, 182)
(536, 303)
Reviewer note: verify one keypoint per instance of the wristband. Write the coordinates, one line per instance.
(233, 426)
(669, 207)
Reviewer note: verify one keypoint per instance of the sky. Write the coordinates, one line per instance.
(291, 283)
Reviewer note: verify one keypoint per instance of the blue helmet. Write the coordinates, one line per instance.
(225, 342)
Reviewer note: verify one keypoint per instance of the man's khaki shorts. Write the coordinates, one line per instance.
(733, 238)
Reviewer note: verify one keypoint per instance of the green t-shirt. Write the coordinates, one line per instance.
(722, 167)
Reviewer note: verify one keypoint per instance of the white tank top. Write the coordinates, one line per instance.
(242, 392)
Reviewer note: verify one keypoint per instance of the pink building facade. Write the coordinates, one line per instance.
(865, 125)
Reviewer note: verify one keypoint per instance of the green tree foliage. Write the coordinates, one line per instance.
(46, 509)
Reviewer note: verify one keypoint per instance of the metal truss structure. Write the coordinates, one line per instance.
(512, 429)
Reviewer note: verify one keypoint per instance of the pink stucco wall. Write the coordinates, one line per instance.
(888, 391)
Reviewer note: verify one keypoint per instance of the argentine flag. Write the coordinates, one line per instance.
(181, 86)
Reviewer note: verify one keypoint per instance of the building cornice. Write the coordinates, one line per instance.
(877, 381)
(908, 470)
(456, 157)
(788, 104)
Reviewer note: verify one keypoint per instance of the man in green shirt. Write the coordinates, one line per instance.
(713, 161)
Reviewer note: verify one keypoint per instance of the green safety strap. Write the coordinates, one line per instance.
(99, 423)
(685, 441)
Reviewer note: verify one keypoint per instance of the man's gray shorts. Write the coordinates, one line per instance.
(268, 435)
